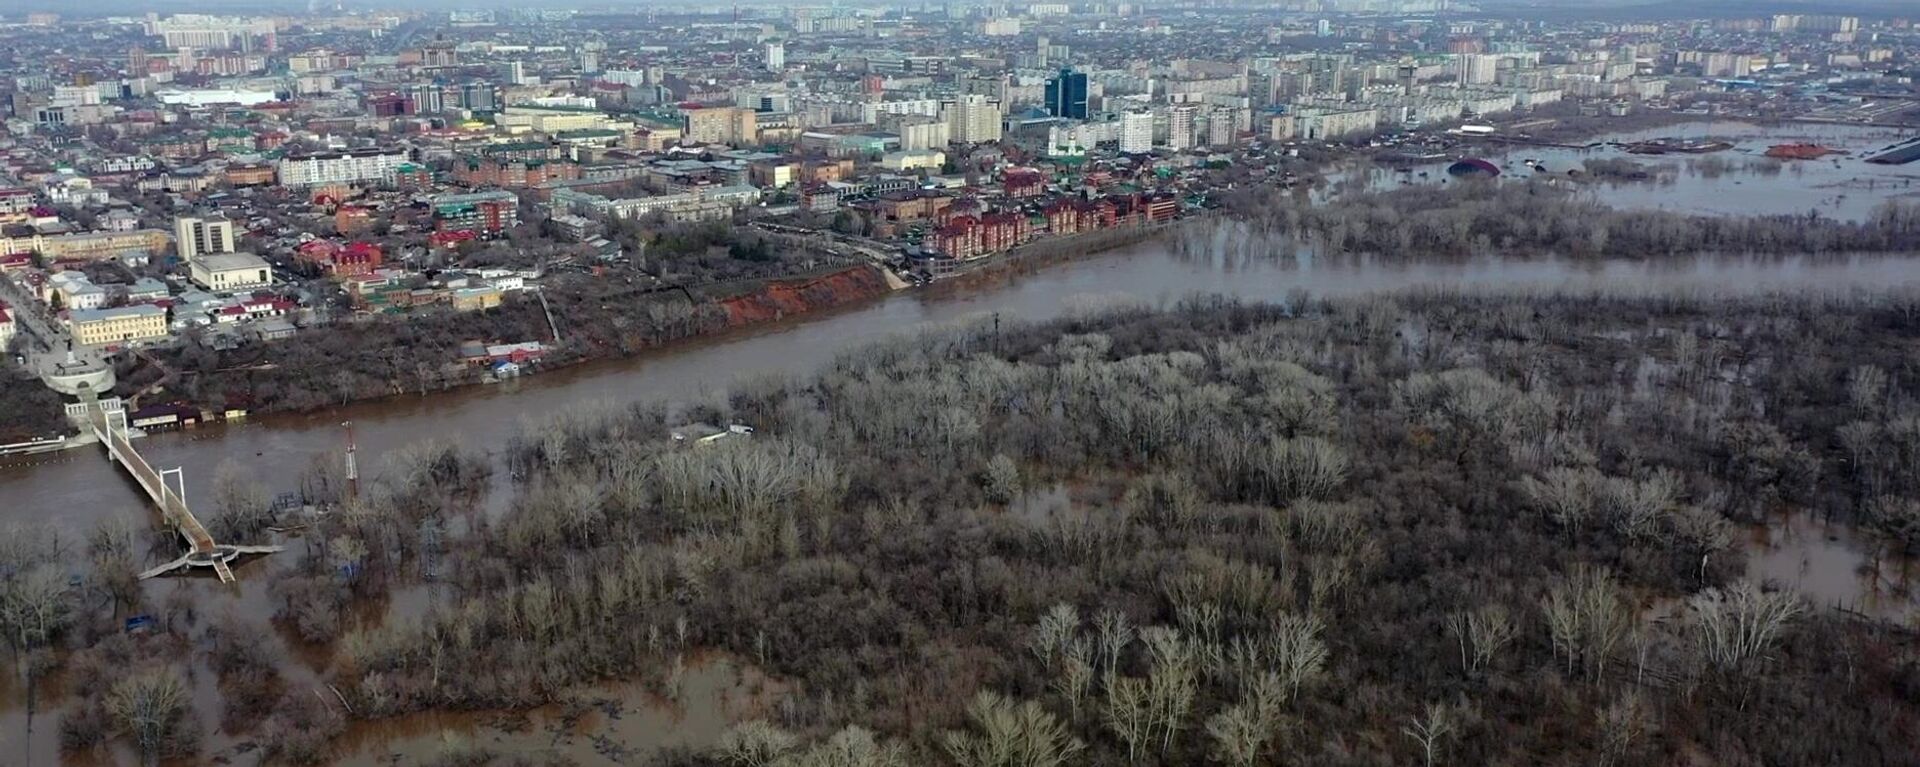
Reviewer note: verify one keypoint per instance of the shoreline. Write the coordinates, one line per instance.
(1029, 257)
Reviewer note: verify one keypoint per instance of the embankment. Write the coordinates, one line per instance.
(780, 299)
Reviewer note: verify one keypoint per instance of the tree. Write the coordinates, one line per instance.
(755, 743)
(1432, 730)
(1735, 627)
(1130, 713)
(1010, 734)
(152, 708)
(1588, 616)
(1002, 479)
(1481, 633)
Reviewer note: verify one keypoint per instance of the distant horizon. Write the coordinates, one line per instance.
(14, 10)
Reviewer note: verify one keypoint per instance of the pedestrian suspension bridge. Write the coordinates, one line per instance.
(202, 551)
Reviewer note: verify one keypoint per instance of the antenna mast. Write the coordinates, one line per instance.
(353, 467)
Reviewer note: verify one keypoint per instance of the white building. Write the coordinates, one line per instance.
(229, 272)
(1183, 124)
(201, 98)
(1222, 126)
(1477, 69)
(196, 237)
(353, 166)
(776, 57)
(1136, 132)
(973, 119)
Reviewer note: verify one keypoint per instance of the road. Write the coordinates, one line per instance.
(50, 334)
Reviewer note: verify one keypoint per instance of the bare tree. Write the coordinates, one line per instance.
(1431, 730)
(1481, 633)
(1010, 734)
(1130, 714)
(1735, 627)
(153, 708)
(755, 743)
(1588, 616)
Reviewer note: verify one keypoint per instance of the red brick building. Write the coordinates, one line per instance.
(968, 237)
(511, 173)
(1024, 182)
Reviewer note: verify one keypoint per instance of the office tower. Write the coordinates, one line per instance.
(776, 57)
(1067, 95)
(196, 237)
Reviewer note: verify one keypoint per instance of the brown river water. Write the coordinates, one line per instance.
(73, 489)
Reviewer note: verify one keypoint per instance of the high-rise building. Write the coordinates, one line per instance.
(974, 119)
(1041, 53)
(1067, 95)
(196, 237)
(1182, 126)
(479, 97)
(1477, 69)
(776, 57)
(1221, 126)
(517, 74)
(1136, 132)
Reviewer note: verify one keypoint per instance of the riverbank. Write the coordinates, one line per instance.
(770, 302)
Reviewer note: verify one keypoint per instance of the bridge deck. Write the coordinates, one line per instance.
(172, 507)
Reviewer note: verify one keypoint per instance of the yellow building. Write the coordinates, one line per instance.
(473, 299)
(93, 327)
(89, 246)
(552, 119)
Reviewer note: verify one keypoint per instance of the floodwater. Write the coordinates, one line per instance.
(1738, 181)
(618, 725)
(1829, 566)
(75, 489)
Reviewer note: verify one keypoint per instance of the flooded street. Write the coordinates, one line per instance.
(1738, 181)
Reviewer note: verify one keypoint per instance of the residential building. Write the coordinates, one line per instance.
(719, 125)
(352, 166)
(1136, 132)
(974, 119)
(1183, 126)
(485, 213)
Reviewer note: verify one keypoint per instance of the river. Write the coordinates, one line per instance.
(75, 488)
